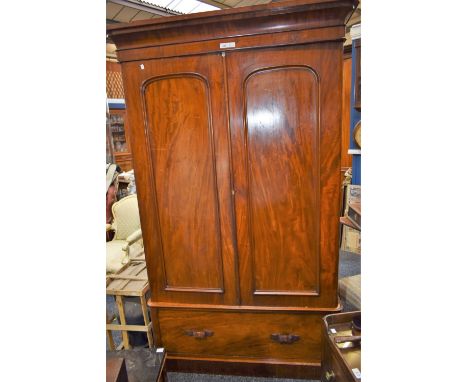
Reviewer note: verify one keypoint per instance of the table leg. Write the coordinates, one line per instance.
(123, 321)
(149, 332)
(111, 340)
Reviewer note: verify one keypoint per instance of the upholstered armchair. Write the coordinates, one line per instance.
(127, 242)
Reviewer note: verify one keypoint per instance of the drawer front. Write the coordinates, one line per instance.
(259, 335)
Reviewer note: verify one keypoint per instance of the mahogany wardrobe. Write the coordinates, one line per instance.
(234, 120)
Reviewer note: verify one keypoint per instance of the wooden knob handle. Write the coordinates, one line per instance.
(285, 338)
(199, 334)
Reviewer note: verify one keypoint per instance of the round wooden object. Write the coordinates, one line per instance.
(357, 134)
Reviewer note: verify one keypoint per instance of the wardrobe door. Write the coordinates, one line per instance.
(179, 129)
(285, 106)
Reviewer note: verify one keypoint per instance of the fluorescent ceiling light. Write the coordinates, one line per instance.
(184, 6)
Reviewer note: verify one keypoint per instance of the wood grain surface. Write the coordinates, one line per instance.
(286, 166)
(177, 112)
(185, 180)
(346, 159)
(242, 334)
(281, 135)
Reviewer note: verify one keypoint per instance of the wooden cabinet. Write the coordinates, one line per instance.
(235, 121)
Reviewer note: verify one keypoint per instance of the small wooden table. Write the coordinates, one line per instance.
(130, 281)
(341, 349)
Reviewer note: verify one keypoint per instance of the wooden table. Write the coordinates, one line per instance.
(131, 281)
(341, 348)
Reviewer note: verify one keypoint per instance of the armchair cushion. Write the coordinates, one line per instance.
(116, 256)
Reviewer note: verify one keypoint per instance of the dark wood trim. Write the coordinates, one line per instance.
(244, 366)
(227, 15)
(306, 36)
(232, 214)
(172, 305)
(256, 21)
(194, 290)
(156, 327)
(285, 293)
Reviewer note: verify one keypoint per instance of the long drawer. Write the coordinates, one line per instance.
(274, 336)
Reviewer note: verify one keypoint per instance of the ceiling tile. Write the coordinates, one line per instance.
(112, 9)
(245, 3)
(231, 3)
(142, 15)
(126, 14)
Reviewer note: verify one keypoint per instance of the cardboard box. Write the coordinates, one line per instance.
(350, 240)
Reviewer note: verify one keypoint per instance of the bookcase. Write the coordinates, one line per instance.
(118, 136)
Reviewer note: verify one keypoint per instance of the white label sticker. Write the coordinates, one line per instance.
(142, 66)
(227, 45)
(357, 373)
(159, 350)
(332, 330)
